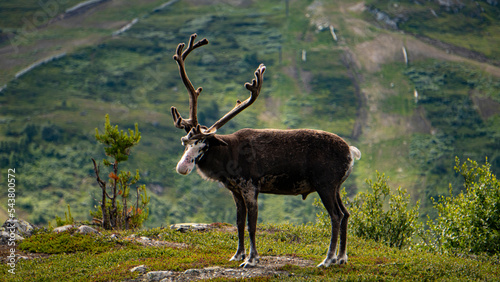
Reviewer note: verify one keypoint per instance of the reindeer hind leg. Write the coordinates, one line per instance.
(329, 199)
(342, 257)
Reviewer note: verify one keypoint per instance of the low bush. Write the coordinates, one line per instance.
(65, 242)
(470, 221)
(395, 226)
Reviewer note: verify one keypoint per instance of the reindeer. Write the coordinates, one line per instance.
(253, 161)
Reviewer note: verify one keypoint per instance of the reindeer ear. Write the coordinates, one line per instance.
(216, 141)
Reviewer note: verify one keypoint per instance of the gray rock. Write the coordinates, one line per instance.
(183, 227)
(85, 229)
(381, 16)
(159, 275)
(141, 269)
(5, 237)
(21, 227)
(63, 228)
(22, 258)
(193, 272)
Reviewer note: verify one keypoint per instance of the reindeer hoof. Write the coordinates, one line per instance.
(249, 263)
(238, 257)
(327, 262)
(342, 260)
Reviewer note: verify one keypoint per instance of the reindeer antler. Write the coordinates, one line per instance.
(180, 57)
(191, 125)
(254, 88)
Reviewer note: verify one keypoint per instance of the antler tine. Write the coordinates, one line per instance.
(254, 88)
(180, 57)
(256, 84)
(192, 45)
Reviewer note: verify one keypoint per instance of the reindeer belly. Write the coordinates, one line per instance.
(284, 184)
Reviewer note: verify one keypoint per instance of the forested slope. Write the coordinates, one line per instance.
(336, 66)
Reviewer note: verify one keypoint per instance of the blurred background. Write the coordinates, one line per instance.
(412, 84)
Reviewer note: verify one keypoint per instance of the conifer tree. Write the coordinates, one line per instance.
(112, 213)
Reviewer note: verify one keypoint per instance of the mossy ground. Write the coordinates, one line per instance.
(103, 259)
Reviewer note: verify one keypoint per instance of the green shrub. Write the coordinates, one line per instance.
(65, 242)
(470, 221)
(395, 227)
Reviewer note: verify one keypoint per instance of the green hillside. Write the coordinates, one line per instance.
(357, 86)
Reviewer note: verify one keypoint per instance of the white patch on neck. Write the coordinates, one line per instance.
(187, 162)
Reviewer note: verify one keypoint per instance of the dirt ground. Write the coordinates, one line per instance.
(268, 266)
(5, 252)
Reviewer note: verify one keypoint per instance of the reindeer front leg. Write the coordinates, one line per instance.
(241, 214)
(250, 195)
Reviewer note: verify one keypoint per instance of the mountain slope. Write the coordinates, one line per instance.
(357, 86)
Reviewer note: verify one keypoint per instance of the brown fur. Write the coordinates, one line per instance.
(288, 162)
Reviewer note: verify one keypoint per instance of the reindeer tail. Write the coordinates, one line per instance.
(355, 153)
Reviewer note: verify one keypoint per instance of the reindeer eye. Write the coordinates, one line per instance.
(188, 142)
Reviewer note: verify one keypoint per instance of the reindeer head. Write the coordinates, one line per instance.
(198, 137)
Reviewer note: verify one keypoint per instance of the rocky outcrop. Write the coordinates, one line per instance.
(385, 19)
(82, 229)
(15, 228)
(183, 227)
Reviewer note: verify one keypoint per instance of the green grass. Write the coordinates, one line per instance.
(113, 260)
(400, 97)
